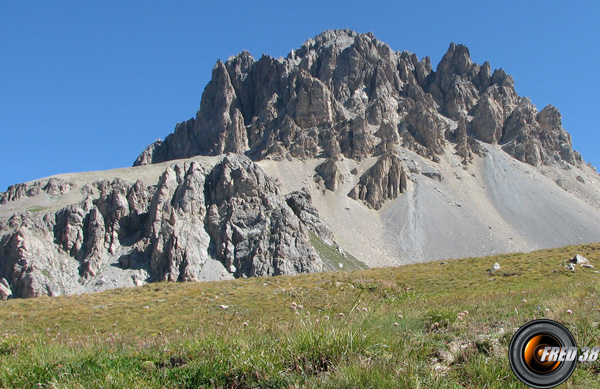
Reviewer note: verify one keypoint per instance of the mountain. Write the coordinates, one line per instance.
(348, 94)
(345, 149)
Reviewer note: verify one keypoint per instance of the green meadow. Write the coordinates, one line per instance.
(430, 325)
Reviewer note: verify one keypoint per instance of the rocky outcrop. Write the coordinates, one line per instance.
(28, 263)
(455, 81)
(300, 202)
(423, 131)
(385, 180)
(5, 291)
(253, 230)
(176, 242)
(231, 214)
(388, 133)
(538, 138)
(330, 174)
(488, 120)
(52, 187)
(344, 93)
(340, 95)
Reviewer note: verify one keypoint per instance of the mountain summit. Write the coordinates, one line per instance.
(348, 94)
(342, 155)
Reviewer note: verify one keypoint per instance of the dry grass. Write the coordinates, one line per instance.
(177, 335)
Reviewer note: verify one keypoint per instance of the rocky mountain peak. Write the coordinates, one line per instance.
(456, 61)
(333, 96)
(337, 39)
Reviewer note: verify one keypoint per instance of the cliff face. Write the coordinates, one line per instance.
(196, 216)
(348, 94)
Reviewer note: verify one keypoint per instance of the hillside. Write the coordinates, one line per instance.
(431, 325)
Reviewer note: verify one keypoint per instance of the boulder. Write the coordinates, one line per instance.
(330, 173)
(578, 259)
(386, 179)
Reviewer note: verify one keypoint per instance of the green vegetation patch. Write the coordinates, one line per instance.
(333, 259)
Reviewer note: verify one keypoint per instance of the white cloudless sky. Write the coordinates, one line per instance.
(87, 85)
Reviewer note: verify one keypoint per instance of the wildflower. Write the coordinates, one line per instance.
(294, 304)
(223, 306)
(245, 324)
(400, 317)
(341, 314)
(460, 318)
(523, 301)
(300, 307)
(396, 324)
(547, 310)
(461, 314)
(365, 309)
(466, 312)
(569, 311)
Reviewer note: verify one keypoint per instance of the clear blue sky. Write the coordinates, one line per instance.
(86, 85)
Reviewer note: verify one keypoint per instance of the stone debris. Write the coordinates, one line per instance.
(579, 259)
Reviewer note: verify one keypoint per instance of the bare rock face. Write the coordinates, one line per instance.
(5, 291)
(232, 214)
(344, 93)
(538, 138)
(453, 84)
(423, 131)
(488, 120)
(176, 241)
(555, 140)
(466, 146)
(27, 265)
(327, 98)
(253, 230)
(300, 202)
(388, 133)
(384, 180)
(330, 174)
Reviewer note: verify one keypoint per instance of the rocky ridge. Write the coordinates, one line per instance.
(52, 186)
(344, 94)
(196, 216)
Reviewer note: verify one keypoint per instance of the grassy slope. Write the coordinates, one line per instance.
(176, 335)
(333, 260)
